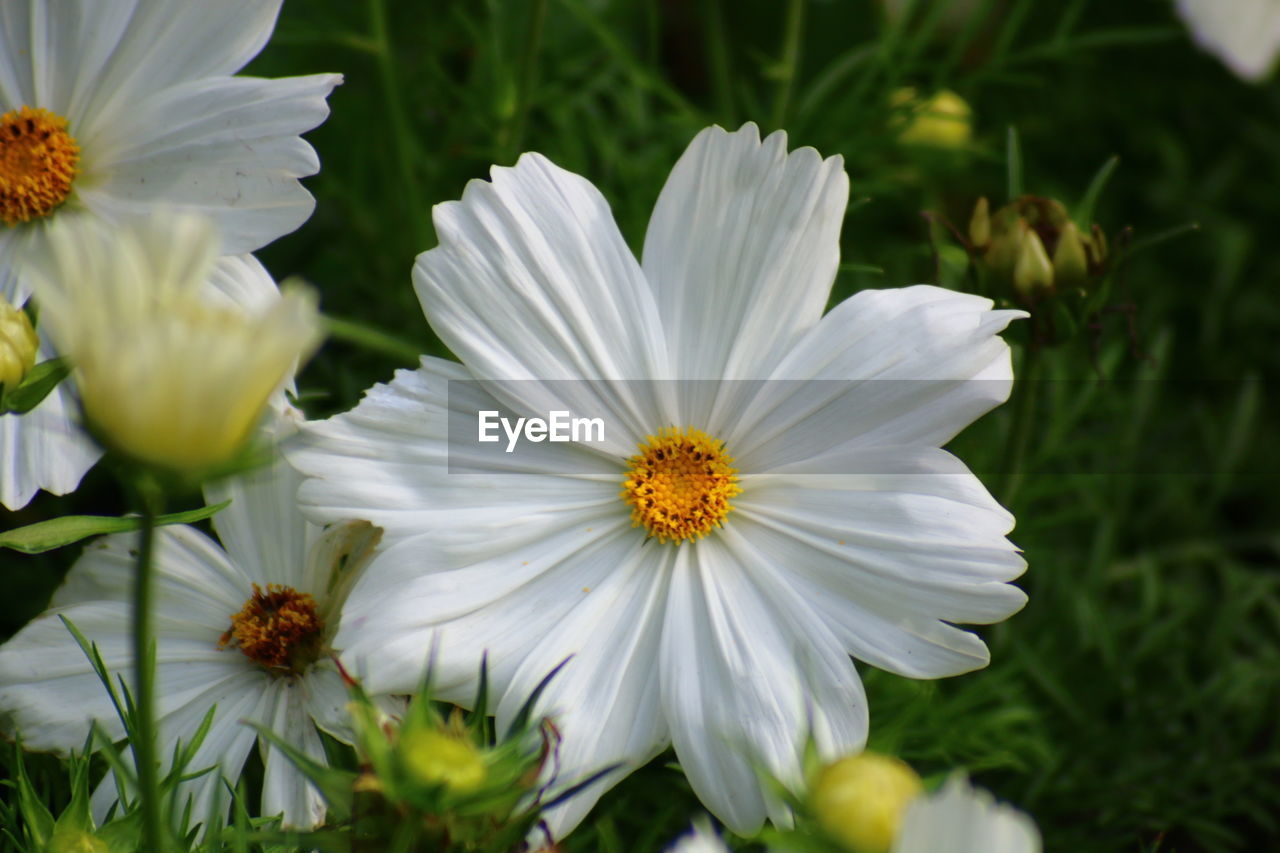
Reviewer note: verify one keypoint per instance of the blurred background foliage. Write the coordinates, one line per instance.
(1134, 704)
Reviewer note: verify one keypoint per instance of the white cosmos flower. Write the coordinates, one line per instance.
(702, 838)
(1244, 34)
(114, 107)
(852, 532)
(247, 627)
(958, 818)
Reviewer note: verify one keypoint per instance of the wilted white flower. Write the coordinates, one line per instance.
(167, 375)
(710, 564)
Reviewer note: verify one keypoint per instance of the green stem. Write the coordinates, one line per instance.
(374, 340)
(524, 92)
(397, 117)
(1024, 421)
(789, 63)
(144, 734)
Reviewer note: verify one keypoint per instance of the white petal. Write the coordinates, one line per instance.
(701, 839)
(532, 281)
(1244, 34)
(228, 148)
(43, 449)
(387, 461)
(962, 819)
(263, 530)
(886, 557)
(243, 281)
(284, 788)
(417, 596)
(886, 367)
(743, 687)
(742, 249)
(603, 703)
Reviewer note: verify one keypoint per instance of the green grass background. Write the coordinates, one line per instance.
(1134, 704)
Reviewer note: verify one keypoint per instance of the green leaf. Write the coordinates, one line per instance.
(1084, 211)
(1013, 163)
(59, 532)
(37, 384)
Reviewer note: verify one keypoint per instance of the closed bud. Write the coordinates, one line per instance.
(980, 224)
(75, 841)
(18, 344)
(1070, 264)
(1032, 273)
(942, 121)
(434, 757)
(859, 800)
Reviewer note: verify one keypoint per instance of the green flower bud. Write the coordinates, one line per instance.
(941, 121)
(859, 800)
(980, 224)
(76, 841)
(438, 758)
(1032, 273)
(18, 344)
(1070, 264)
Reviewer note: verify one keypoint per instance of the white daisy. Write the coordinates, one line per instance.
(837, 527)
(1244, 34)
(958, 818)
(112, 107)
(247, 626)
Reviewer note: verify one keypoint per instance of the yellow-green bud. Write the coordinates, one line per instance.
(18, 344)
(942, 121)
(436, 758)
(859, 800)
(980, 224)
(1070, 265)
(1032, 273)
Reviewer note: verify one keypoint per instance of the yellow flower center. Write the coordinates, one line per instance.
(680, 484)
(277, 629)
(38, 161)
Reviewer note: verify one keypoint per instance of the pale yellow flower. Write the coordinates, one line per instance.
(166, 377)
(18, 344)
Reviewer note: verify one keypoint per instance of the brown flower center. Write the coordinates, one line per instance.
(277, 629)
(38, 160)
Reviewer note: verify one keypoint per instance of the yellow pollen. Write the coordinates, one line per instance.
(680, 484)
(38, 160)
(277, 629)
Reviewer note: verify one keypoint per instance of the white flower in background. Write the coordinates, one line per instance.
(959, 818)
(247, 627)
(701, 839)
(112, 107)
(167, 374)
(1244, 34)
(46, 447)
(719, 612)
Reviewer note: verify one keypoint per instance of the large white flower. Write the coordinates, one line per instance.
(112, 107)
(837, 527)
(46, 448)
(246, 627)
(1244, 34)
(958, 818)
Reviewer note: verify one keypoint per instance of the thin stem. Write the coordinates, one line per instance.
(789, 62)
(528, 77)
(144, 734)
(1024, 420)
(398, 118)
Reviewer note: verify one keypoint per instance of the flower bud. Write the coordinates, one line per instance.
(1032, 273)
(980, 224)
(167, 377)
(76, 841)
(859, 800)
(1070, 265)
(942, 121)
(18, 344)
(433, 757)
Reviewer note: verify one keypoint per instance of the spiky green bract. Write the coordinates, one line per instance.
(437, 779)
